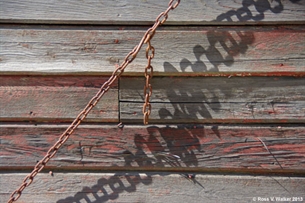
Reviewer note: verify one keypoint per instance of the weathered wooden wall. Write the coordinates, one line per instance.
(228, 100)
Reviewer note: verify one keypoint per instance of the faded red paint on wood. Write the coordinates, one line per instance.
(216, 99)
(200, 148)
(216, 53)
(183, 51)
(55, 98)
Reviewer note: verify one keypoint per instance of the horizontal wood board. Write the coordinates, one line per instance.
(201, 148)
(145, 12)
(215, 99)
(182, 51)
(150, 187)
(174, 99)
(55, 99)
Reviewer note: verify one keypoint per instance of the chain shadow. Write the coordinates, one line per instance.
(109, 189)
(245, 14)
(223, 46)
(169, 147)
(159, 147)
(165, 147)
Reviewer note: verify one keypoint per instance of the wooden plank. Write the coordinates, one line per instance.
(144, 12)
(215, 99)
(215, 89)
(171, 113)
(60, 98)
(183, 51)
(201, 148)
(152, 187)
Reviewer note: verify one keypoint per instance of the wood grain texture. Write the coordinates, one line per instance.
(55, 55)
(144, 12)
(215, 99)
(50, 98)
(150, 187)
(209, 148)
(179, 50)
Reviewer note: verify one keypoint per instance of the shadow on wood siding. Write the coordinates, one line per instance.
(222, 48)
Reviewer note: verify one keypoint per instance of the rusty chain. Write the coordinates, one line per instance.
(104, 88)
(148, 75)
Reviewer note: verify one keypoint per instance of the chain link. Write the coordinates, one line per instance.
(104, 88)
(149, 69)
(148, 75)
